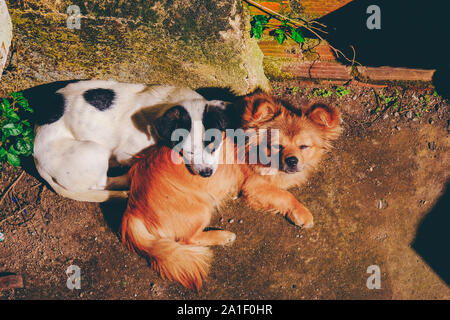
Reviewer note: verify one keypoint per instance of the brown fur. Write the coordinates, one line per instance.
(169, 208)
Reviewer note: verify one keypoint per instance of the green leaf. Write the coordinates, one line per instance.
(5, 105)
(257, 30)
(26, 123)
(12, 129)
(24, 104)
(28, 133)
(2, 154)
(280, 36)
(13, 159)
(13, 151)
(297, 36)
(16, 95)
(11, 115)
(23, 147)
(263, 19)
(258, 24)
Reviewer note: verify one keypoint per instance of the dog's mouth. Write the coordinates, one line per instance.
(290, 170)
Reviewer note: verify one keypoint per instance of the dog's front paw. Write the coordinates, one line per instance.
(303, 219)
(228, 237)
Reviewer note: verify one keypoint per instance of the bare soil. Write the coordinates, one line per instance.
(368, 197)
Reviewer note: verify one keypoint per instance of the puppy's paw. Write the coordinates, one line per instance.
(228, 237)
(302, 219)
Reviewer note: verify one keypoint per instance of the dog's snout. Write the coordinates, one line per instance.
(291, 161)
(207, 172)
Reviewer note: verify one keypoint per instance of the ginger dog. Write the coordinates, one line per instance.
(169, 207)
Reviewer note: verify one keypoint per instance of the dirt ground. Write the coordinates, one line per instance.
(368, 198)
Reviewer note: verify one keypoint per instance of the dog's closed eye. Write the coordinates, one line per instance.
(277, 147)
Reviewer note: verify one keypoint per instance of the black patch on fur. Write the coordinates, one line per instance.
(292, 108)
(174, 118)
(47, 104)
(214, 118)
(233, 112)
(102, 99)
(216, 93)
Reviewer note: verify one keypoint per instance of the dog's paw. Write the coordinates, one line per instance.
(302, 219)
(228, 237)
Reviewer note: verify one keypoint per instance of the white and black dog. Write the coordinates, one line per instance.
(83, 126)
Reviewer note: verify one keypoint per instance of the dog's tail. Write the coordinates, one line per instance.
(88, 196)
(187, 264)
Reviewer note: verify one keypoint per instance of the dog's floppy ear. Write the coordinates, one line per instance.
(174, 118)
(259, 108)
(324, 115)
(216, 115)
(328, 118)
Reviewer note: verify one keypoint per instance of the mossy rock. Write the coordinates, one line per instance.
(195, 43)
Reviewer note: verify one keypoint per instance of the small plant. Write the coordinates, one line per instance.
(16, 133)
(294, 28)
(342, 92)
(386, 102)
(261, 22)
(295, 90)
(324, 93)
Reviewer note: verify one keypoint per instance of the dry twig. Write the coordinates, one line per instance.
(308, 26)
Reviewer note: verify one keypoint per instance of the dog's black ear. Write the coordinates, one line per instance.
(217, 93)
(174, 118)
(216, 116)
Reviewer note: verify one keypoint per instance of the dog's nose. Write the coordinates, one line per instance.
(206, 172)
(291, 161)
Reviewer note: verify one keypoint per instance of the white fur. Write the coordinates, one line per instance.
(72, 154)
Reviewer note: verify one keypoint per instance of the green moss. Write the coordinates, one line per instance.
(273, 68)
(136, 52)
(179, 51)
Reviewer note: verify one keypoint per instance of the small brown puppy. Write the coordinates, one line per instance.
(169, 207)
(303, 135)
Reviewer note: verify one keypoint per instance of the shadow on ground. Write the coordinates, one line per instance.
(411, 35)
(433, 238)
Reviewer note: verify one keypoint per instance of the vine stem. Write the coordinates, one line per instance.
(307, 25)
(273, 13)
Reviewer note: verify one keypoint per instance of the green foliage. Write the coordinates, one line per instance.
(295, 90)
(297, 36)
(16, 134)
(324, 93)
(280, 32)
(387, 102)
(342, 92)
(258, 24)
(393, 103)
(280, 35)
